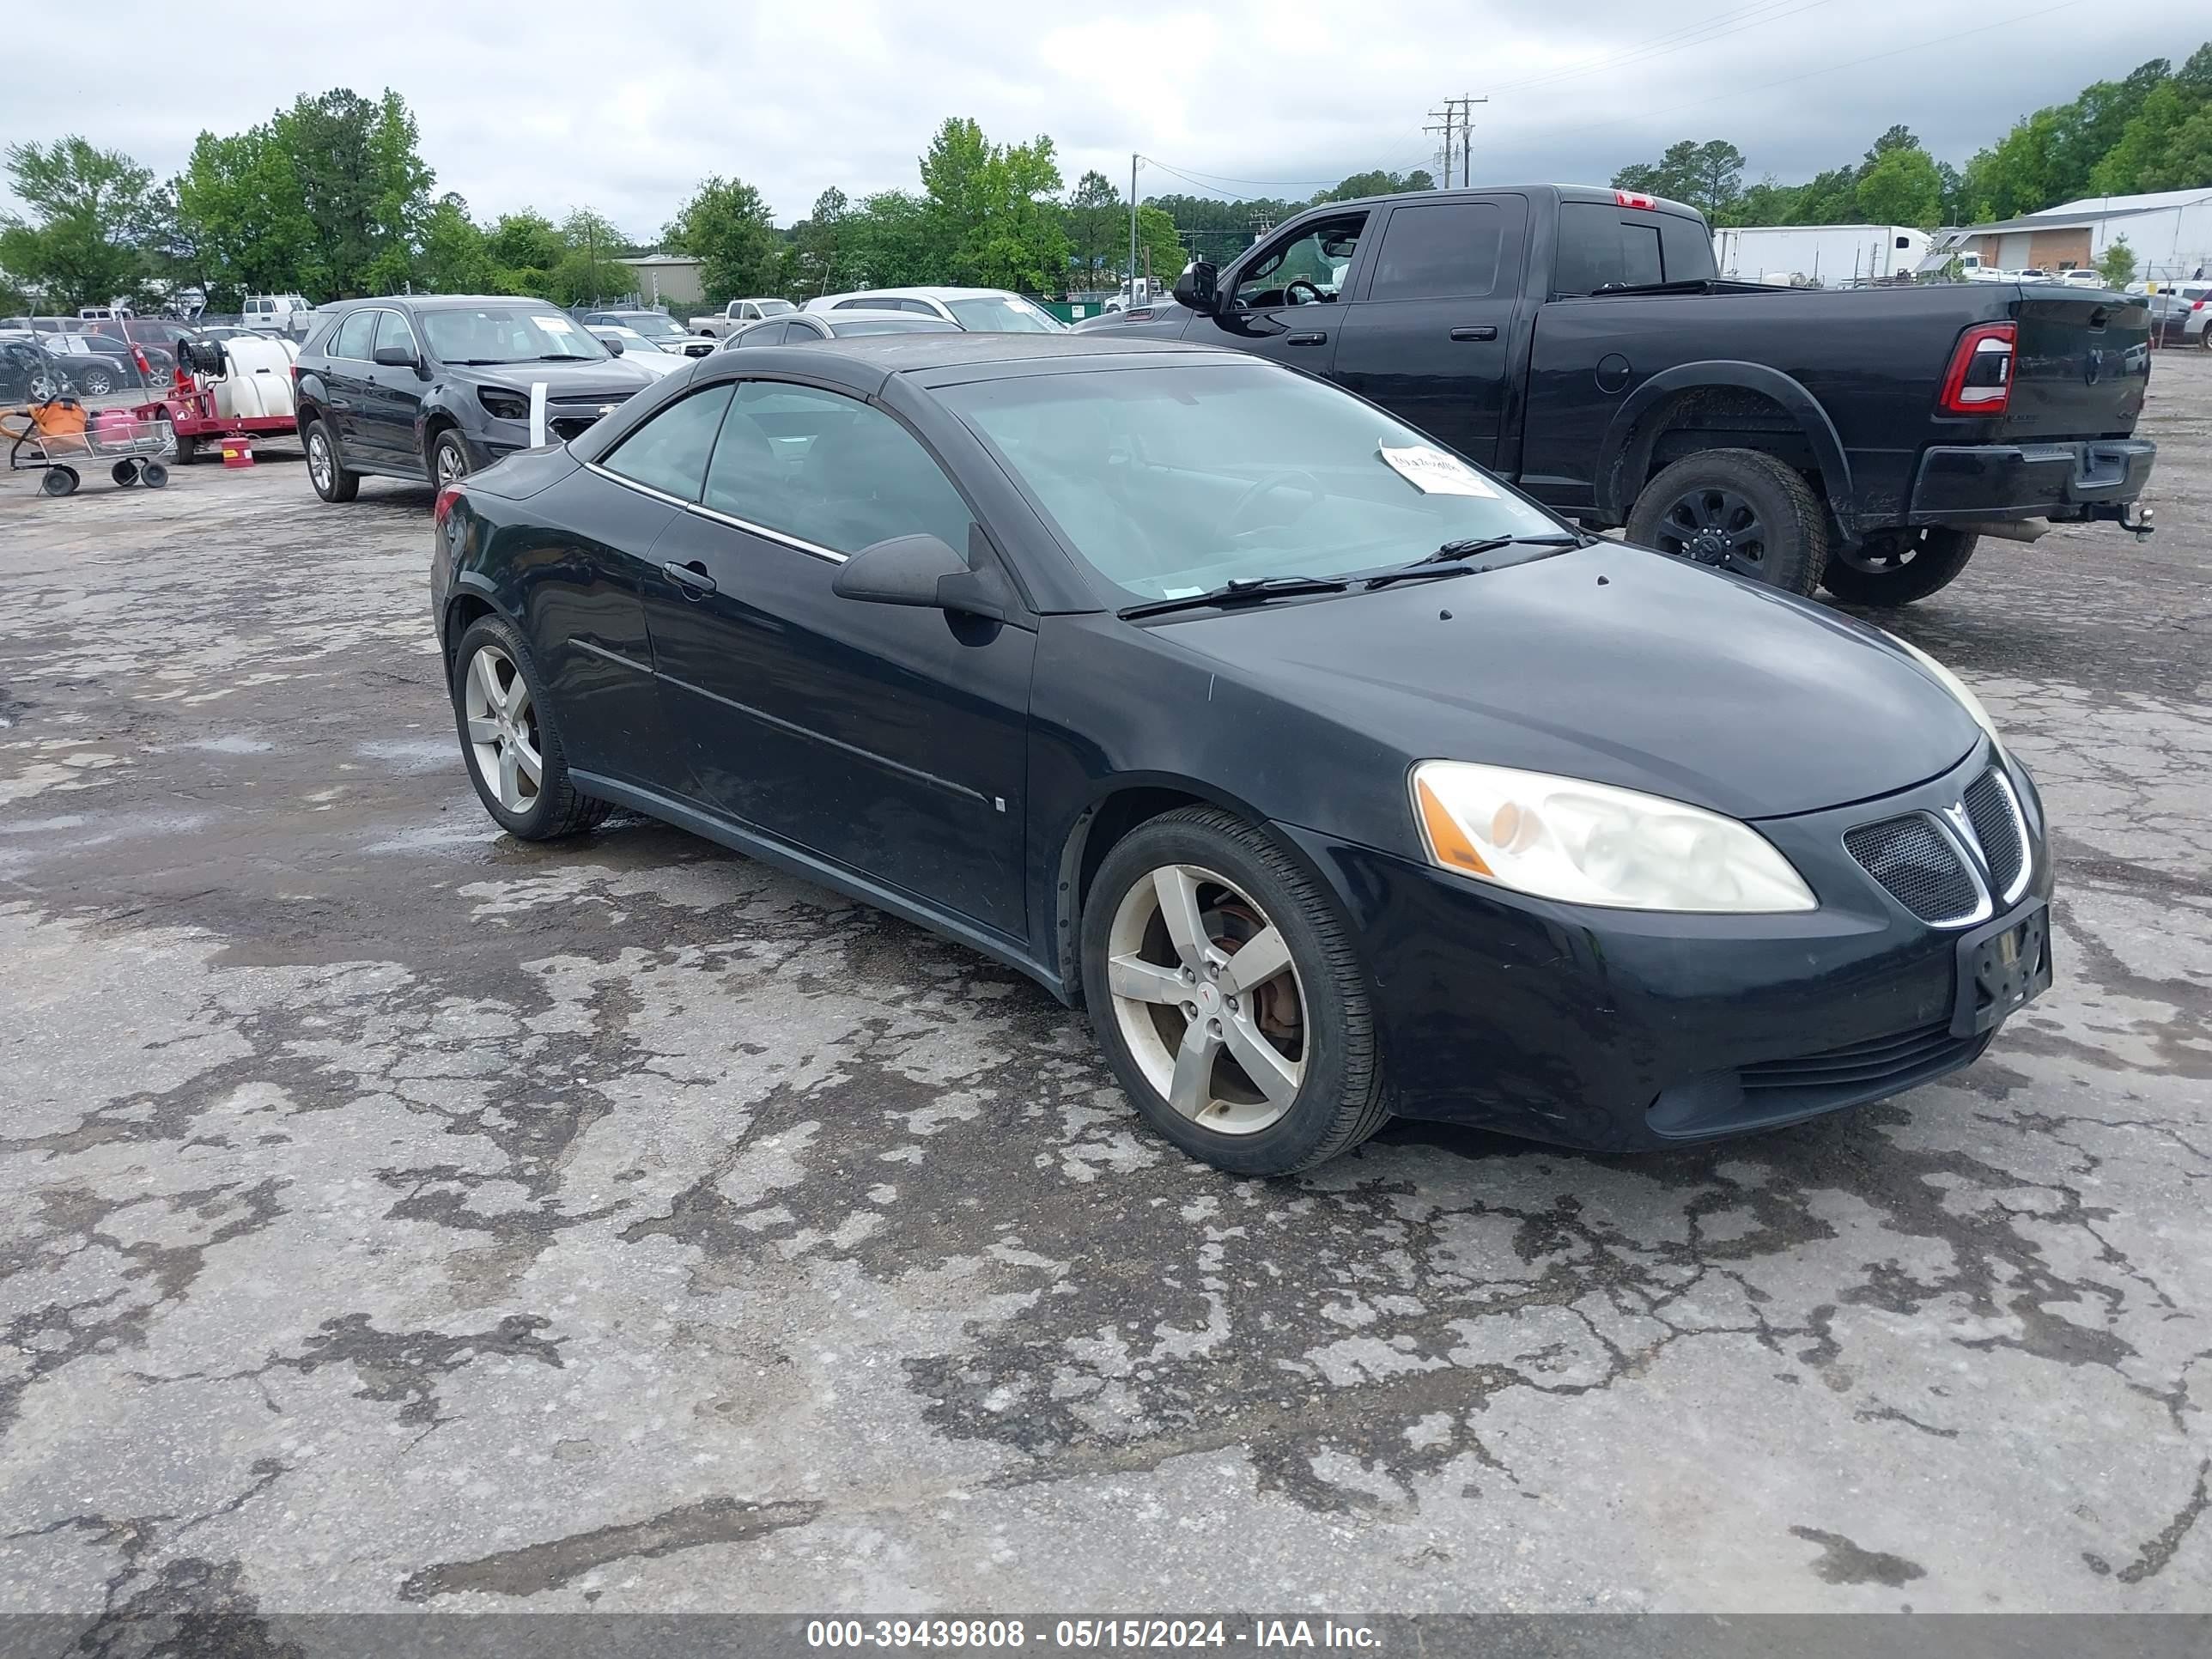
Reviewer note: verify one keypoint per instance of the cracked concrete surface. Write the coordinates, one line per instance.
(398, 1217)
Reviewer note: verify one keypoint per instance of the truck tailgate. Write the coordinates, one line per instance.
(2080, 365)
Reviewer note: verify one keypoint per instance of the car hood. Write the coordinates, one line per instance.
(609, 377)
(1616, 665)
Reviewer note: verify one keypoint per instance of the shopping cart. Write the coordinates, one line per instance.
(131, 447)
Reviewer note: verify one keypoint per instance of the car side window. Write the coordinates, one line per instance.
(353, 336)
(1602, 246)
(829, 471)
(1437, 251)
(393, 330)
(1304, 268)
(761, 334)
(669, 452)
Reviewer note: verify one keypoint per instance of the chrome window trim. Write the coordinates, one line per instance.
(780, 538)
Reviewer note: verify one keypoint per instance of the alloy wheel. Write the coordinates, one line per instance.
(452, 464)
(1208, 999)
(318, 461)
(1715, 526)
(502, 724)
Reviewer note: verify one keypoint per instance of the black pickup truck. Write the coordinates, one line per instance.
(1578, 342)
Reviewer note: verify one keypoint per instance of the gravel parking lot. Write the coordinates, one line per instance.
(400, 1217)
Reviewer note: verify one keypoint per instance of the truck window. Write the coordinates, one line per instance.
(1444, 250)
(1601, 246)
(1305, 269)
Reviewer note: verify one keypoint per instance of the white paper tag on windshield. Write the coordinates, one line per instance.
(553, 325)
(1435, 473)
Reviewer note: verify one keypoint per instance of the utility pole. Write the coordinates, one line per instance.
(1132, 227)
(1444, 116)
(1466, 138)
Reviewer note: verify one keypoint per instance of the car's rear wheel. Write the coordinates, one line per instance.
(512, 739)
(1896, 567)
(96, 382)
(1228, 999)
(325, 470)
(1741, 510)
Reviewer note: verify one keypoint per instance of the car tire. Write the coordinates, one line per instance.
(1175, 1022)
(1896, 567)
(96, 382)
(503, 736)
(324, 470)
(449, 458)
(1739, 510)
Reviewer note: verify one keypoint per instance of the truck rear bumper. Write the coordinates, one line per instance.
(2093, 479)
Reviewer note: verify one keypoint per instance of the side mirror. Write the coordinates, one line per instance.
(394, 357)
(615, 346)
(920, 571)
(1198, 286)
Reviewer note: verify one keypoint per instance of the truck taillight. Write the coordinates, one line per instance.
(1980, 380)
(1635, 198)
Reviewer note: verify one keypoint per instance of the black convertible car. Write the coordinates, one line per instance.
(1334, 777)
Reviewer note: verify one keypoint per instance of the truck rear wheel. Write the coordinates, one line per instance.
(1896, 567)
(1739, 510)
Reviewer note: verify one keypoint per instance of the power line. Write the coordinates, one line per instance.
(1674, 40)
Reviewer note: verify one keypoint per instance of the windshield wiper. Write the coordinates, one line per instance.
(1243, 590)
(1450, 559)
(564, 357)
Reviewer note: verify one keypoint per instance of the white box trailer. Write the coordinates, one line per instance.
(1831, 256)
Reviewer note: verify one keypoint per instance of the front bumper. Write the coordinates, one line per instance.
(1969, 483)
(1626, 1030)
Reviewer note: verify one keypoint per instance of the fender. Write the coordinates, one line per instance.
(1626, 450)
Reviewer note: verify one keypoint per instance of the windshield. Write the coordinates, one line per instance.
(1170, 481)
(1004, 313)
(845, 325)
(775, 307)
(658, 327)
(630, 339)
(507, 334)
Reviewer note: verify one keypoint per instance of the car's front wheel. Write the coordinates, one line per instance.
(449, 460)
(325, 470)
(96, 382)
(512, 739)
(1227, 997)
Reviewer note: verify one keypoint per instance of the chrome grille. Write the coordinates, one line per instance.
(1997, 827)
(1919, 868)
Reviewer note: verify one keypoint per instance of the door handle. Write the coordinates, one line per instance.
(1307, 339)
(339, 402)
(1486, 332)
(692, 578)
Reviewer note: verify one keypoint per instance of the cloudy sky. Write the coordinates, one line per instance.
(623, 107)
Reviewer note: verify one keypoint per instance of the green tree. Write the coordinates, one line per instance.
(815, 253)
(364, 187)
(989, 214)
(1378, 182)
(1159, 245)
(728, 227)
(1709, 176)
(588, 269)
(1095, 210)
(239, 200)
(2118, 267)
(456, 257)
(94, 213)
(1902, 188)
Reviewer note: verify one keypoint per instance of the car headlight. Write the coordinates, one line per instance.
(1957, 687)
(1590, 843)
(502, 405)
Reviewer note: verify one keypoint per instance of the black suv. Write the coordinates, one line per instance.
(433, 388)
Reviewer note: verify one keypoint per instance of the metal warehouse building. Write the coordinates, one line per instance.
(2170, 232)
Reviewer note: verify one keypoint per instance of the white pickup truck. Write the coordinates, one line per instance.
(736, 314)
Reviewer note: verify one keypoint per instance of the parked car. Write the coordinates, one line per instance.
(163, 331)
(1578, 340)
(806, 327)
(103, 314)
(97, 366)
(435, 387)
(161, 356)
(633, 347)
(29, 373)
(658, 326)
(1336, 777)
(738, 313)
(2181, 314)
(995, 309)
